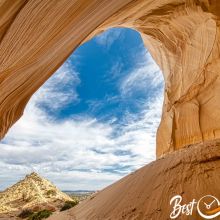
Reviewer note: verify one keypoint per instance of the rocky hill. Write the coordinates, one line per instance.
(31, 192)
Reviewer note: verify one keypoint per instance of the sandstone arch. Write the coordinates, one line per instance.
(183, 37)
(36, 37)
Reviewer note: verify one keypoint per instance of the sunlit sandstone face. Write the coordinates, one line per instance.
(36, 37)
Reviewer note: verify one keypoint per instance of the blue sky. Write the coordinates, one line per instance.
(93, 121)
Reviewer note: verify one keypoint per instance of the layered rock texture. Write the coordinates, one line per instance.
(31, 192)
(36, 37)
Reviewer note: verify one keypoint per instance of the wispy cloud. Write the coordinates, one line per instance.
(146, 77)
(107, 38)
(60, 89)
(82, 152)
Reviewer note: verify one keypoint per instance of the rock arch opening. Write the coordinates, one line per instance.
(103, 103)
(183, 38)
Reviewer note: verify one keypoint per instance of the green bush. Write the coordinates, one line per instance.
(40, 215)
(51, 192)
(25, 213)
(69, 205)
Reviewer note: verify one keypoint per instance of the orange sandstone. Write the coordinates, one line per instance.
(36, 37)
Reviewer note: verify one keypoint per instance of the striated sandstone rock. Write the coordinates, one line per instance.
(36, 37)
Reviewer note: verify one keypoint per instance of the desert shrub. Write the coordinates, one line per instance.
(40, 215)
(25, 213)
(51, 192)
(69, 205)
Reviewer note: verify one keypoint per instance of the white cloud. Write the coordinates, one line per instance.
(108, 37)
(60, 89)
(145, 77)
(82, 153)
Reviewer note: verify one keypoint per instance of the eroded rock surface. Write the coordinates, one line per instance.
(36, 37)
(33, 192)
(145, 194)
